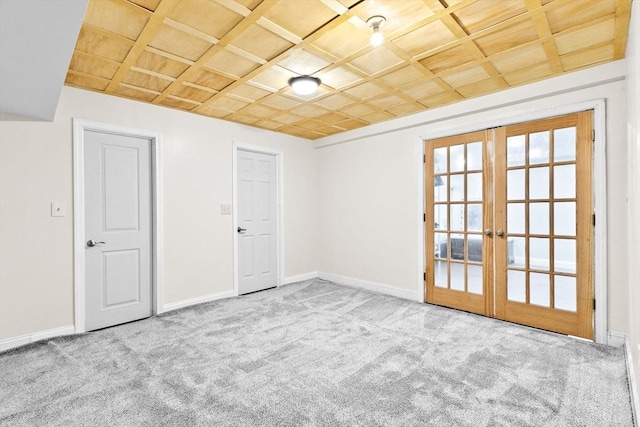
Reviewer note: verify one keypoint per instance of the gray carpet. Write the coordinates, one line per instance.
(314, 354)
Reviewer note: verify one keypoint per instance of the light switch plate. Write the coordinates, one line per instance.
(225, 209)
(58, 209)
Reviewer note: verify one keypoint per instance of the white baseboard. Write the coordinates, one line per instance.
(633, 385)
(199, 300)
(8, 343)
(371, 286)
(616, 339)
(300, 277)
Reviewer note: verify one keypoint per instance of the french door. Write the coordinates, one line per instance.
(458, 211)
(508, 223)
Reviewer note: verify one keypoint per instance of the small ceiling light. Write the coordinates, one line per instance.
(304, 85)
(375, 22)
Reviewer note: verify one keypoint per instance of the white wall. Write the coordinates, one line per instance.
(371, 182)
(369, 210)
(36, 264)
(633, 165)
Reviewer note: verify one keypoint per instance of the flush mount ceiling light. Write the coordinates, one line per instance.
(375, 22)
(304, 85)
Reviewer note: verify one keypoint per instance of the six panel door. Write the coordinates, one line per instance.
(257, 221)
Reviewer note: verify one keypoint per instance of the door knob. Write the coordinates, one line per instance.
(91, 243)
(241, 230)
(488, 232)
(500, 233)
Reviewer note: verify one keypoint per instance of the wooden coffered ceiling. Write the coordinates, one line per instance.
(231, 59)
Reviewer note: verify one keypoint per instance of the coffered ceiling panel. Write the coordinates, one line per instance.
(207, 17)
(344, 40)
(232, 59)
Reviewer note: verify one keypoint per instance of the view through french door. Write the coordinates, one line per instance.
(509, 231)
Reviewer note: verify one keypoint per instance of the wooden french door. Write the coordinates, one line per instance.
(509, 223)
(458, 210)
(544, 200)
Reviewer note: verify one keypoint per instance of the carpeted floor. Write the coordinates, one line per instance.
(314, 354)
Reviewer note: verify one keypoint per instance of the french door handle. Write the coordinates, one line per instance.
(488, 231)
(91, 243)
(241, 230)
(500, 233)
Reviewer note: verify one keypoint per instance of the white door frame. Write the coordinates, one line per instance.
(157, 231)
(239, 146)
(599, 188)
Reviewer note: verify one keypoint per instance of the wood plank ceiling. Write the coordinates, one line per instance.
(231, 59)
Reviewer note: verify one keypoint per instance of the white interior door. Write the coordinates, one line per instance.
(117, 178)
(257, 221)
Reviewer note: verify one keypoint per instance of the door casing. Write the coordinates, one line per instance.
(237, 146)
(157, 249)
(599, 188)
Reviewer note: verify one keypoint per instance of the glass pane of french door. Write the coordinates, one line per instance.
(543, 200)
(456, 218)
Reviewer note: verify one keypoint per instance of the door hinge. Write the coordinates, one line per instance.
(593, 219)
(424, 217)
(424, 276)
(424, 158)
(594, 303)
(593, 135)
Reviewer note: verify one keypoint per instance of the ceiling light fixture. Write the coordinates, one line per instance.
(375, 22)
(304, 85)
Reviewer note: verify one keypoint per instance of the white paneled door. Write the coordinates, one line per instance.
(118, 266)
(256, 221)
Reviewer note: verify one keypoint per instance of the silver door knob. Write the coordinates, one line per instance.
(500, 233)
(488, 232)
(91, 243)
